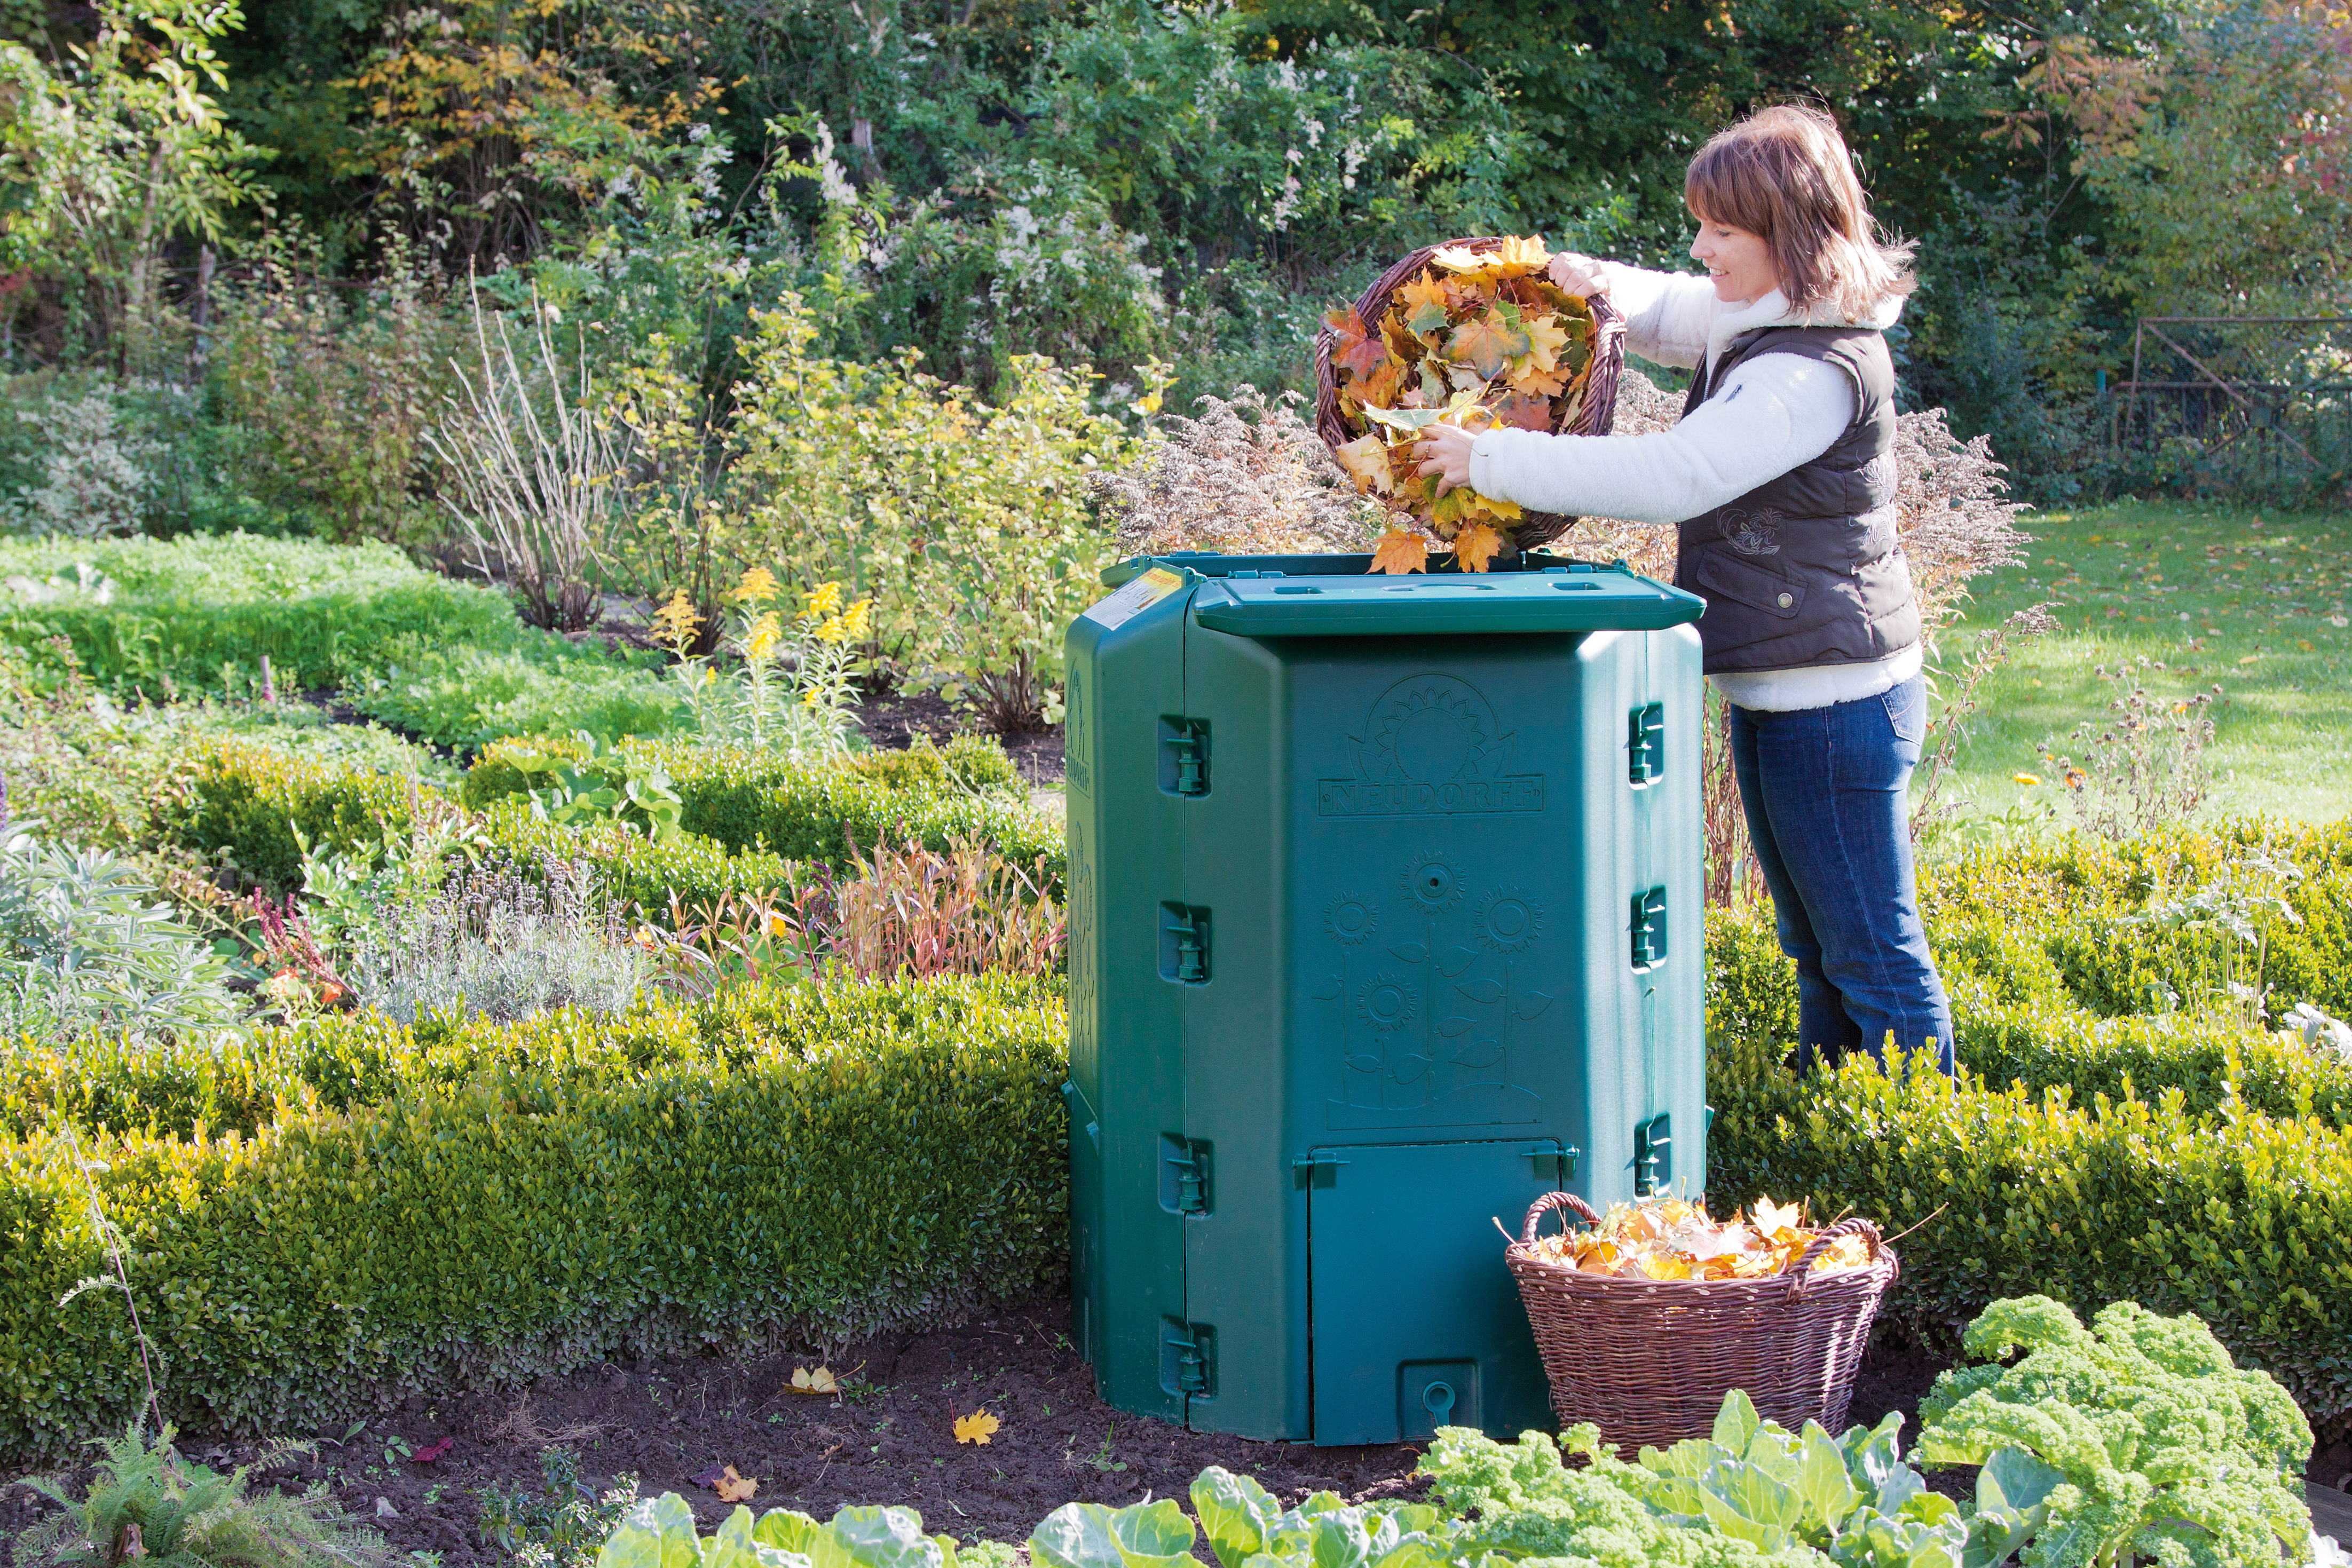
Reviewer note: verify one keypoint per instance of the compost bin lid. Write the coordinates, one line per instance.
(1335, 596)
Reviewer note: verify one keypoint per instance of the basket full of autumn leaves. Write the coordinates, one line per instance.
(1474, 333)
(1649, 1315)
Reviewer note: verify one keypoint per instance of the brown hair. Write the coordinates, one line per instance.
(1784, 174)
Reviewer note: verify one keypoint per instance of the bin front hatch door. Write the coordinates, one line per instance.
(1415, 1318)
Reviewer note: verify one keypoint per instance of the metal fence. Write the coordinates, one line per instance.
(2250, 403)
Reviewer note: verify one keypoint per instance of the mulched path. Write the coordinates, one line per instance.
(889, 1440)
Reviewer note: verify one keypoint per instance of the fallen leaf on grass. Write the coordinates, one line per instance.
(431, 1451)
(975, 1427)
(818, 1381)
(732, 1488)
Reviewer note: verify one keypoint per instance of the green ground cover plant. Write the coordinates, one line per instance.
(2253, 601)
(365, 1207)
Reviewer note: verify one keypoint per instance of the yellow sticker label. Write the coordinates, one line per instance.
(1138, 595)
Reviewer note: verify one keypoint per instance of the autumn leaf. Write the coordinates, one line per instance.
(1546, 339)
(1665, 1266)
(1458, 258)
(1400, 552)
(732, 1488)
(976, 1427)
(1477, 545)
(1409, 420)
(1487, 343)
(1523, 412)
(1547, 385)
(1424, 305)
(1518, 255)
(431, 1451)
(1467, 294)
(1772, 1218)
(1353, 349)
(1366, 459)
(1380, 389)
(819, 1380)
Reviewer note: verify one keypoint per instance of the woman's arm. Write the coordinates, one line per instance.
(1778, 412)
(1666, 313)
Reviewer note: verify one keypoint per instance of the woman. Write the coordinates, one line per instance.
(1781, 480)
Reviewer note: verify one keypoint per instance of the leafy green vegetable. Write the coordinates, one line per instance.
(2136, 1437)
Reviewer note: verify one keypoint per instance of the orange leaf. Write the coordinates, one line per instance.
(975, 1427)
(1353, 349)
(1380, 388)
(1425, 305)
(732, 1488)
(1477, 545)
(1366, 459)
(1400, 552)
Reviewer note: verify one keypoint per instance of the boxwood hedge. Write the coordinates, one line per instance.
(334, 1216)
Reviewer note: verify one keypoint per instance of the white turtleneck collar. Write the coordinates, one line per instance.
(1773, 310)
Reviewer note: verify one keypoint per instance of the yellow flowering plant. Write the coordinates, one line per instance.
(791, 679)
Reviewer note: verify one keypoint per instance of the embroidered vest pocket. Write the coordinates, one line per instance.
(1758, 587)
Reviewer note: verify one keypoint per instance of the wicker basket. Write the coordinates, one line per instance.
(1649, 1361)
(1600, 396)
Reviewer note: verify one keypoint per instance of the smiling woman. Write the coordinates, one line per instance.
(1781, 481)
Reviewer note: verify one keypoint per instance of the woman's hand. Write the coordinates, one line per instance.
(1445, 452)
(1579, 275)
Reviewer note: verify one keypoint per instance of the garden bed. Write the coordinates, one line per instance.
(888, 1439)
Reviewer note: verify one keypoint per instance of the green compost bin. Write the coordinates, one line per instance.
(1384, 919)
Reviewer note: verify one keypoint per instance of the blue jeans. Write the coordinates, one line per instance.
(1827, 795)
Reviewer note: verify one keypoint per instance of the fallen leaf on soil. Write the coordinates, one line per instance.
(712, 1477)
(732, 1488)
(974, 1427)
(819, 1380)
(431, 1451)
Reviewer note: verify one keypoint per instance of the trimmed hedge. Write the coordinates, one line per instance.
(240, 802)
(750, 802)
(180, 610)
(382, 1210)
(464, 697)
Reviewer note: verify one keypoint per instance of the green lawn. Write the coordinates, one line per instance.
(2253, 601)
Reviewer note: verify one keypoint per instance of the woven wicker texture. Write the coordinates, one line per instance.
(1649, 1361)
(1600, 396)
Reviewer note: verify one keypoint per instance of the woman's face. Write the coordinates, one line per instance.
(1741, 263)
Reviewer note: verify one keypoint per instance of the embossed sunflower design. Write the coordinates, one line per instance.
(1385, 1001)
(1432, 882)
(1351, 918)
(1507, 920)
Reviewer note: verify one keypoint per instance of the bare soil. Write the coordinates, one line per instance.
(889, 1438)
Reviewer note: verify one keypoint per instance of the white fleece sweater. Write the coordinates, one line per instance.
(1776, 412)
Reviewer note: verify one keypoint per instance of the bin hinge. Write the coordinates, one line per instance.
(1184, 945)
(1184, 756)
(1561, 1157)
(1654, 1166)
(1188, 1358)
(1316, 1170)
(1184, 1174)
(1646, 744)
(1649, 928)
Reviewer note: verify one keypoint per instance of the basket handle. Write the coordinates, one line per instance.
(1819, 1244)
(1545, 1205)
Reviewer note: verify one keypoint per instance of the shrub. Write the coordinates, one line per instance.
(463, 697)
(494, 945)
(496, 1203)
(199, 613)
(242, 804)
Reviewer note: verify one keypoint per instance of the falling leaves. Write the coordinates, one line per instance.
(977, 1428)
(1671, 1239)
(1481, 339)
(1400, 552)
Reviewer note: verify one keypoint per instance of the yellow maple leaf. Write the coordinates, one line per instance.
(819, 1380)
(1519, 256)
(1425, 305)
(1546, 339)
(1400, 552)
(1366, 459)
(1477, 545)
(1773, 1218)
(1459, 258)
(976, 1427)
(1541, 383)
(1666, 1266)
(732, 1488)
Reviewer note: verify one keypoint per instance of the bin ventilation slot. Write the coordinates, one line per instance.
(1183, 944)
(1184, 1174)
(1649, 928)
(1184, 756)
(1646, 744)
(1654, 1166)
